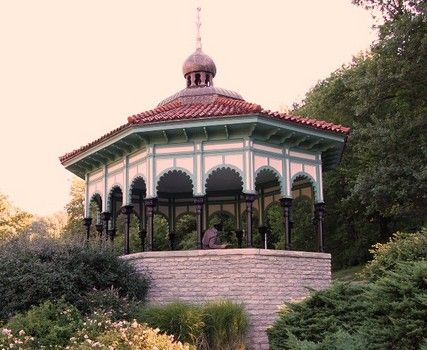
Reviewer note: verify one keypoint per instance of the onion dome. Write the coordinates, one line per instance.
(199, 69)
(199, 62)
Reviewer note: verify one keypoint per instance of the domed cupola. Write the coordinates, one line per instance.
(199, 69)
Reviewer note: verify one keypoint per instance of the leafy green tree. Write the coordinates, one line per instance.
(13, 221)
(75, 209)
(381, 184)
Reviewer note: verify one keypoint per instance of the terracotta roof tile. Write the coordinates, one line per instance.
(219, 107)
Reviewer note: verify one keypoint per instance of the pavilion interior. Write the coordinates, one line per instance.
(175, 212)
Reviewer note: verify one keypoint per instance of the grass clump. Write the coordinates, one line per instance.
(183, 320)
(226, 325)
(218, 325)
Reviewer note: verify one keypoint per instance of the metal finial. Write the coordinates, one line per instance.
(198, 24)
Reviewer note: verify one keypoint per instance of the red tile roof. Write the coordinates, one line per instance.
(218, 106)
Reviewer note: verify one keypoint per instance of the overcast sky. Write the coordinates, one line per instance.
(70, 71)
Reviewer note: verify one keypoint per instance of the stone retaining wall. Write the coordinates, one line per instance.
(261, 279)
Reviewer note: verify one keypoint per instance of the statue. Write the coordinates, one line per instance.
(210, 238)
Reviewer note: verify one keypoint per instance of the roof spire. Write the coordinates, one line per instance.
(198, 24)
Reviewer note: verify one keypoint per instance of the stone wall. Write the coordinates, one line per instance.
(261, 279)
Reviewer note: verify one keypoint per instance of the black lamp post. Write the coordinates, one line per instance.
(87, 223)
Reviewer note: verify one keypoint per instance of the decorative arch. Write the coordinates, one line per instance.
(110, 191)
(238, 171)
(132, 183)
(91, 201)
(313, 183)
(170, 171)
(276, 174)
(216, 212)
(178, 217)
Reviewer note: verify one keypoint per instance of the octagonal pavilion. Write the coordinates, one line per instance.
(205, 150)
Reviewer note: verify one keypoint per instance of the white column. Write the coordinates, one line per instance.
(126, 200)
(319, 192)
(86, 203)
(248, 168)
(151, 173)
(199, 188)
(105, 199)
(287, 190)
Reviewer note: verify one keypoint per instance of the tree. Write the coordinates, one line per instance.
(381, 185)
(13, 221)
(51, 226)
(75, 209)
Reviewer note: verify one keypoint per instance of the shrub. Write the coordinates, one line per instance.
(108, 301)
(184, 321)
(340, 340)
(51, 323)
(100, 333)
(398, 308)
(226, 325)
(390, 313)
(34, 271)
(401, 247)
(340, 307)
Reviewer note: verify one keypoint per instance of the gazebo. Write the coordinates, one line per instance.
(205, 150)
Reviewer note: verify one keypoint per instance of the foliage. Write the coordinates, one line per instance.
(38, 270)
(75, 209)
(161, 233)
(20, 340)
(274, 220)
(389, 313)
(398, 315)
(340, 340)
(134, 239)
(226, 325)
(50, 323)
(182, 320)
(96, 331)
(186, 232)
(381, 184)
(227, 236)
(51, 226)
(110, 302)
(99, 332)
(303, 233)
(215, 325)
(13, 221)
(340, 307)
(401, 247)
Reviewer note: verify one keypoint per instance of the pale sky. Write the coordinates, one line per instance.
(70, 71)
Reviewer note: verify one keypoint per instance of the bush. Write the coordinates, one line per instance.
(226, 325)
(398, 308)
(108, 301)
(100, 333)
(390, 313)
(340, 307)
(184, 321)
(34, 271)
(401, 247)
(51, 323)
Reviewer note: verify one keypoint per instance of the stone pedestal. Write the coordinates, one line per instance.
(261, 279)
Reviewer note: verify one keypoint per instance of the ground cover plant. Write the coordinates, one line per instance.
(57, 325)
